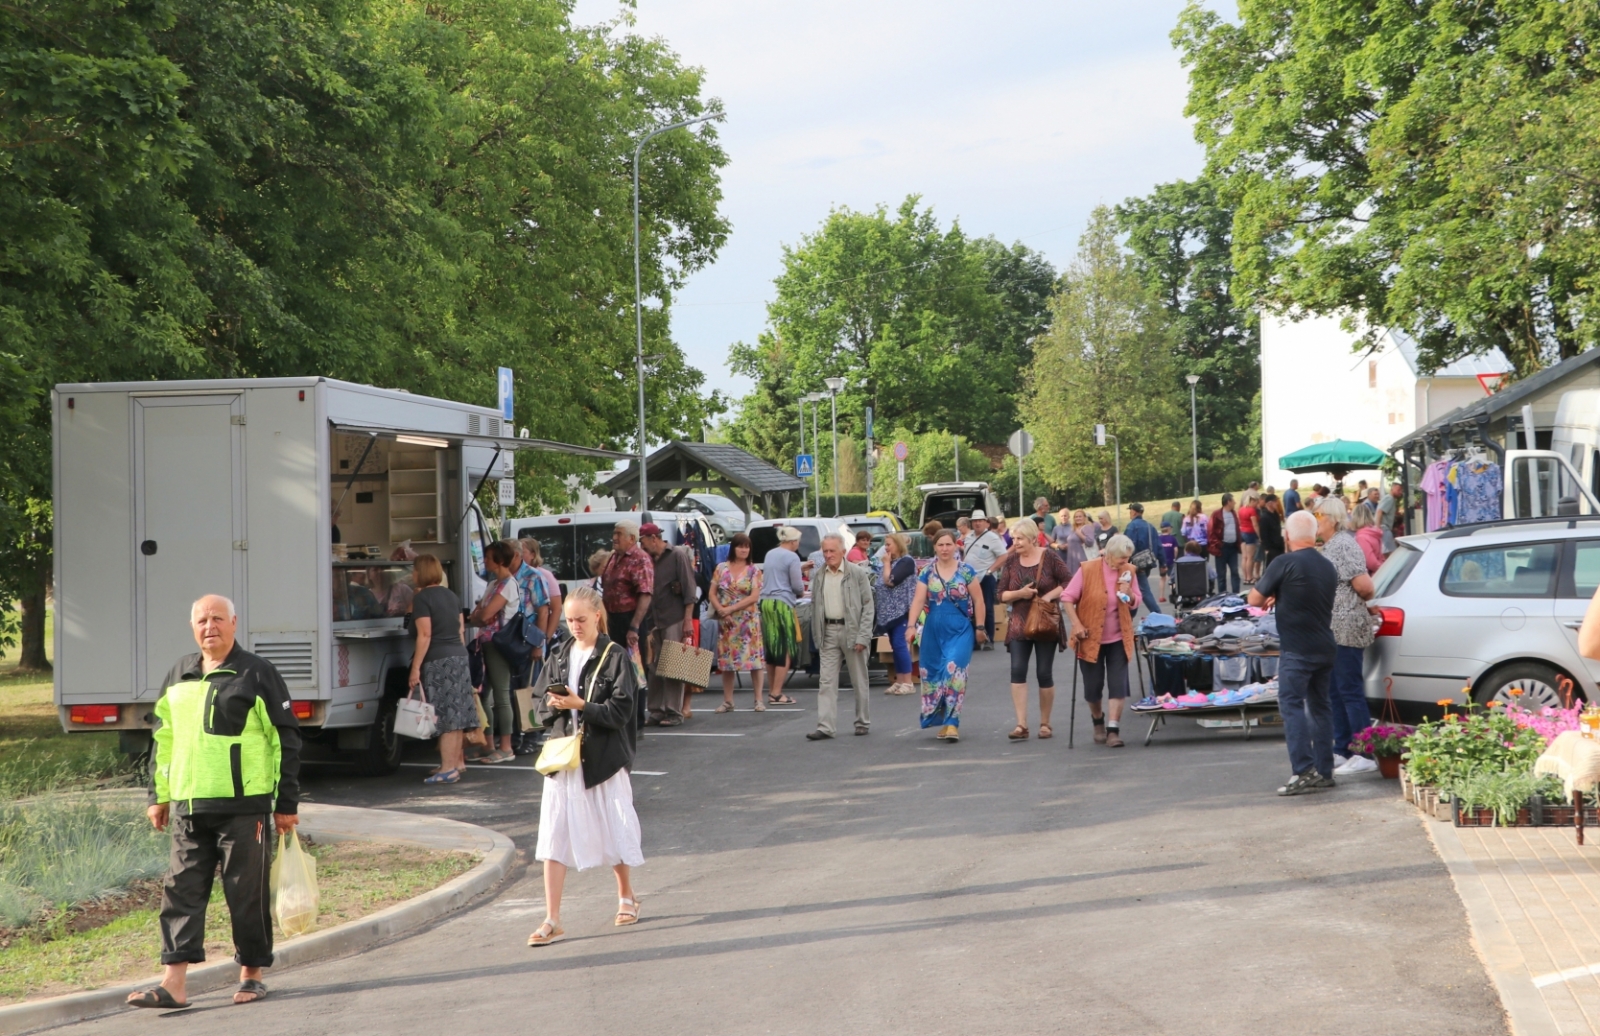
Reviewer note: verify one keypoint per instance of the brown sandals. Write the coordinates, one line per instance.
(1019, 733)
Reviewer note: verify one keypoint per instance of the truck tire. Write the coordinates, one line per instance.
(384, 748)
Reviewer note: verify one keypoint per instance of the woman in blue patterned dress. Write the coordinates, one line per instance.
(945, 589)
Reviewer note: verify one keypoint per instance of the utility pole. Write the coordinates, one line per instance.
(834, 385)
(958, 457)
(1194, 433)
(869, 460)
(805, 510)
(1100, 437)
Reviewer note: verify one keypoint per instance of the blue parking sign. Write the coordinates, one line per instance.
(805, 465)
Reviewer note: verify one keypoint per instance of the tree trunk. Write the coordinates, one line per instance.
(33, 605)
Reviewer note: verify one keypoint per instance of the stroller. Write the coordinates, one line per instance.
(1191, 584)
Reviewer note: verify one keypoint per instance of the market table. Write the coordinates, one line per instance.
(1576, 760)
(1245, 710)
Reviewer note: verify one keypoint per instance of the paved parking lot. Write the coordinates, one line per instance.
(895, 884)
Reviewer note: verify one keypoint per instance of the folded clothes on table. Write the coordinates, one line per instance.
(1249, 694)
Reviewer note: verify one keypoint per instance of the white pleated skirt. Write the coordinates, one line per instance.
(588, 827)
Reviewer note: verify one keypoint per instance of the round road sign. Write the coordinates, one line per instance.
(901, 450)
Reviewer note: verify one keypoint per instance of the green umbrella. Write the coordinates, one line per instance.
(1338, 458)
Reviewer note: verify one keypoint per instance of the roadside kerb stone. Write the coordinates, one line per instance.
(324, 823)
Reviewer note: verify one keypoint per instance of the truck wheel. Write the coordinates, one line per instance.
(1540, 685)
(384, 748)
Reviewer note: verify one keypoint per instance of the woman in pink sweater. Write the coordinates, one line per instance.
(1368, 535)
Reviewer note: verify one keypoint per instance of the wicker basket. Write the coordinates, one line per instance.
(679, 661)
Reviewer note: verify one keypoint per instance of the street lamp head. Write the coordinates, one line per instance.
(816, 397)
(1192, 379)
(834, 384)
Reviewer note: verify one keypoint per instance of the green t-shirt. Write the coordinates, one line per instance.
(1174, 519)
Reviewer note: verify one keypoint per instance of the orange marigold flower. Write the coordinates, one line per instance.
(1446, 701)
(1496, 704)
(1515, 692)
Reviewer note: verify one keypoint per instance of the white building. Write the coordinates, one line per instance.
(1315, 388)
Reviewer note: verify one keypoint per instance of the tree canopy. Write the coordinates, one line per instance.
(1429, 165)
(401, 193)
(930, 327)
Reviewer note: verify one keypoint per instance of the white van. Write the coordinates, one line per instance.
(566, 541)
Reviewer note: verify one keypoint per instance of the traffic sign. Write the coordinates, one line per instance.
(508, 492)
(1020, 443)
(507, 411)
(901, 450)
(805, 465)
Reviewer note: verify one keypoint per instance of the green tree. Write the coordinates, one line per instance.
(1431, 166)
(931, 457)
(1180, 238)
(1106, 359)
(404, 194)
(928, 326)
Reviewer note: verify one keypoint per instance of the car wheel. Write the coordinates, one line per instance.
(384, 748)
(1539, 686)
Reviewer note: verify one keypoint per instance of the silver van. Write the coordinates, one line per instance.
(566, 541)
(1492, 608)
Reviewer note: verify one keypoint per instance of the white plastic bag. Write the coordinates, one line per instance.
(294, 887)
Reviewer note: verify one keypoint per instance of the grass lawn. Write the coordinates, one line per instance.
(35, 753)
(354, 879)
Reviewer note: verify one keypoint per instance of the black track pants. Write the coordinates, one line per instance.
(243, 844)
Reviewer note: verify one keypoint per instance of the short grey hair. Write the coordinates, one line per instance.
(835, 537)
(1024, 529)
(1333, 508)
(1300, 527)
(788, 534)
(1118, 546)
(1045, 501)
(233, 613)
(627, 528)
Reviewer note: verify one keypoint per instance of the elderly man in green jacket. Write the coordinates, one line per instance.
(841, 628)
(225, 778)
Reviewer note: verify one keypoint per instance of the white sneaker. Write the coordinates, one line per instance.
(1356, 764)
(1338, 761)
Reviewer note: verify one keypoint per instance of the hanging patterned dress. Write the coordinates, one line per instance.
(946, 645)
(738, 635)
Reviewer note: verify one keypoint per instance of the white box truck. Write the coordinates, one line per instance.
(294, 497)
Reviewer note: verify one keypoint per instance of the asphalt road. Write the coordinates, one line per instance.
(896, 884)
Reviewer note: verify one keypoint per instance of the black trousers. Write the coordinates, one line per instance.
(243, 844)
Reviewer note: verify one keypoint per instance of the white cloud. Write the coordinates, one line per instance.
(1015, 117)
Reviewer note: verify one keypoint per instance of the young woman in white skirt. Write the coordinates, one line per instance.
(586, 816)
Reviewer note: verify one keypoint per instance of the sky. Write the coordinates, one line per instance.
(1014, 117)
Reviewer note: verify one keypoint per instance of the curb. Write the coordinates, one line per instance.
(330, 824)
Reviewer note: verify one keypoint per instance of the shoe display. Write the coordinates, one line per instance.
(1356, 764)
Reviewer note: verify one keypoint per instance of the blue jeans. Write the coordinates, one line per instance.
(1228, 565)
(897, 643)
(1307, 722)
(1350, 712)
(1144, 591)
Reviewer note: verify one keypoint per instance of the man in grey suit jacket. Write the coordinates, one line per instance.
(841, 627)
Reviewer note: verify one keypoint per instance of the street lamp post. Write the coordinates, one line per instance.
(835, 385)
(805, 509)
(1194, 432)
(816, 449)
(638, 294)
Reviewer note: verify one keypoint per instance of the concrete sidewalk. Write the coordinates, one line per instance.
(324, 823)
(1533, 901)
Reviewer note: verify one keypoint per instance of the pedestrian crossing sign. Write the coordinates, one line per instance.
(805, 465)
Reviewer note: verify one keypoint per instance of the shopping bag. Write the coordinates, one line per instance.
(560, 753)
(294, 887)
(414, 717)
(678, 661)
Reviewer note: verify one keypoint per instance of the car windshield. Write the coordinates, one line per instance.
(765, 538)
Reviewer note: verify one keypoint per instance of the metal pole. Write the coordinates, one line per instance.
(1116, 453)
(867, 459)
(833, 403)
(957, 439)
(1194, 434)
(638, 294)
(1019, 488)
(804, 507)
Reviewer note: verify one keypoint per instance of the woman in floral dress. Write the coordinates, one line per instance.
(735, 596)
(946, 590)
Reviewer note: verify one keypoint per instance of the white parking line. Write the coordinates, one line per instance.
(685, 733)
(1557, 977)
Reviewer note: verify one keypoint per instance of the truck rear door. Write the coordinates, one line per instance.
(188, 520)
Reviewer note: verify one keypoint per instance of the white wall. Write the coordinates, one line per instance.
(1314, 388)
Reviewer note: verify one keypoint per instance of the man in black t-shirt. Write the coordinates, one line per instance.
(1300, 585)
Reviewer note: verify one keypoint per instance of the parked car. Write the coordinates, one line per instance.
(944, 502)
(567, 540)
(764, 535)
(1494, 608)
(878, 525)
(725, 516)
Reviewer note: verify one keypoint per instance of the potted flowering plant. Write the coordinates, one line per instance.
(1383, 742)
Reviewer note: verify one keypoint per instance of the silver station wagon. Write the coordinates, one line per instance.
(1483, 610)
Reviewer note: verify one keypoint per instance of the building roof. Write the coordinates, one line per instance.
(1491, 362)
(744, 469)
(1506, 400)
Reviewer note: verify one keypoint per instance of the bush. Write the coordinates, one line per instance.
(1448, 751)
(58, 851)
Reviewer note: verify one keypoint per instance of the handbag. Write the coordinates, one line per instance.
(678, 661)
(414, 717)
(1145, 560)
(1043, 621)
(566, 753)
(514, 638)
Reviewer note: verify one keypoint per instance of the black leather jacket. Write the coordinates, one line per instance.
(609, 731)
